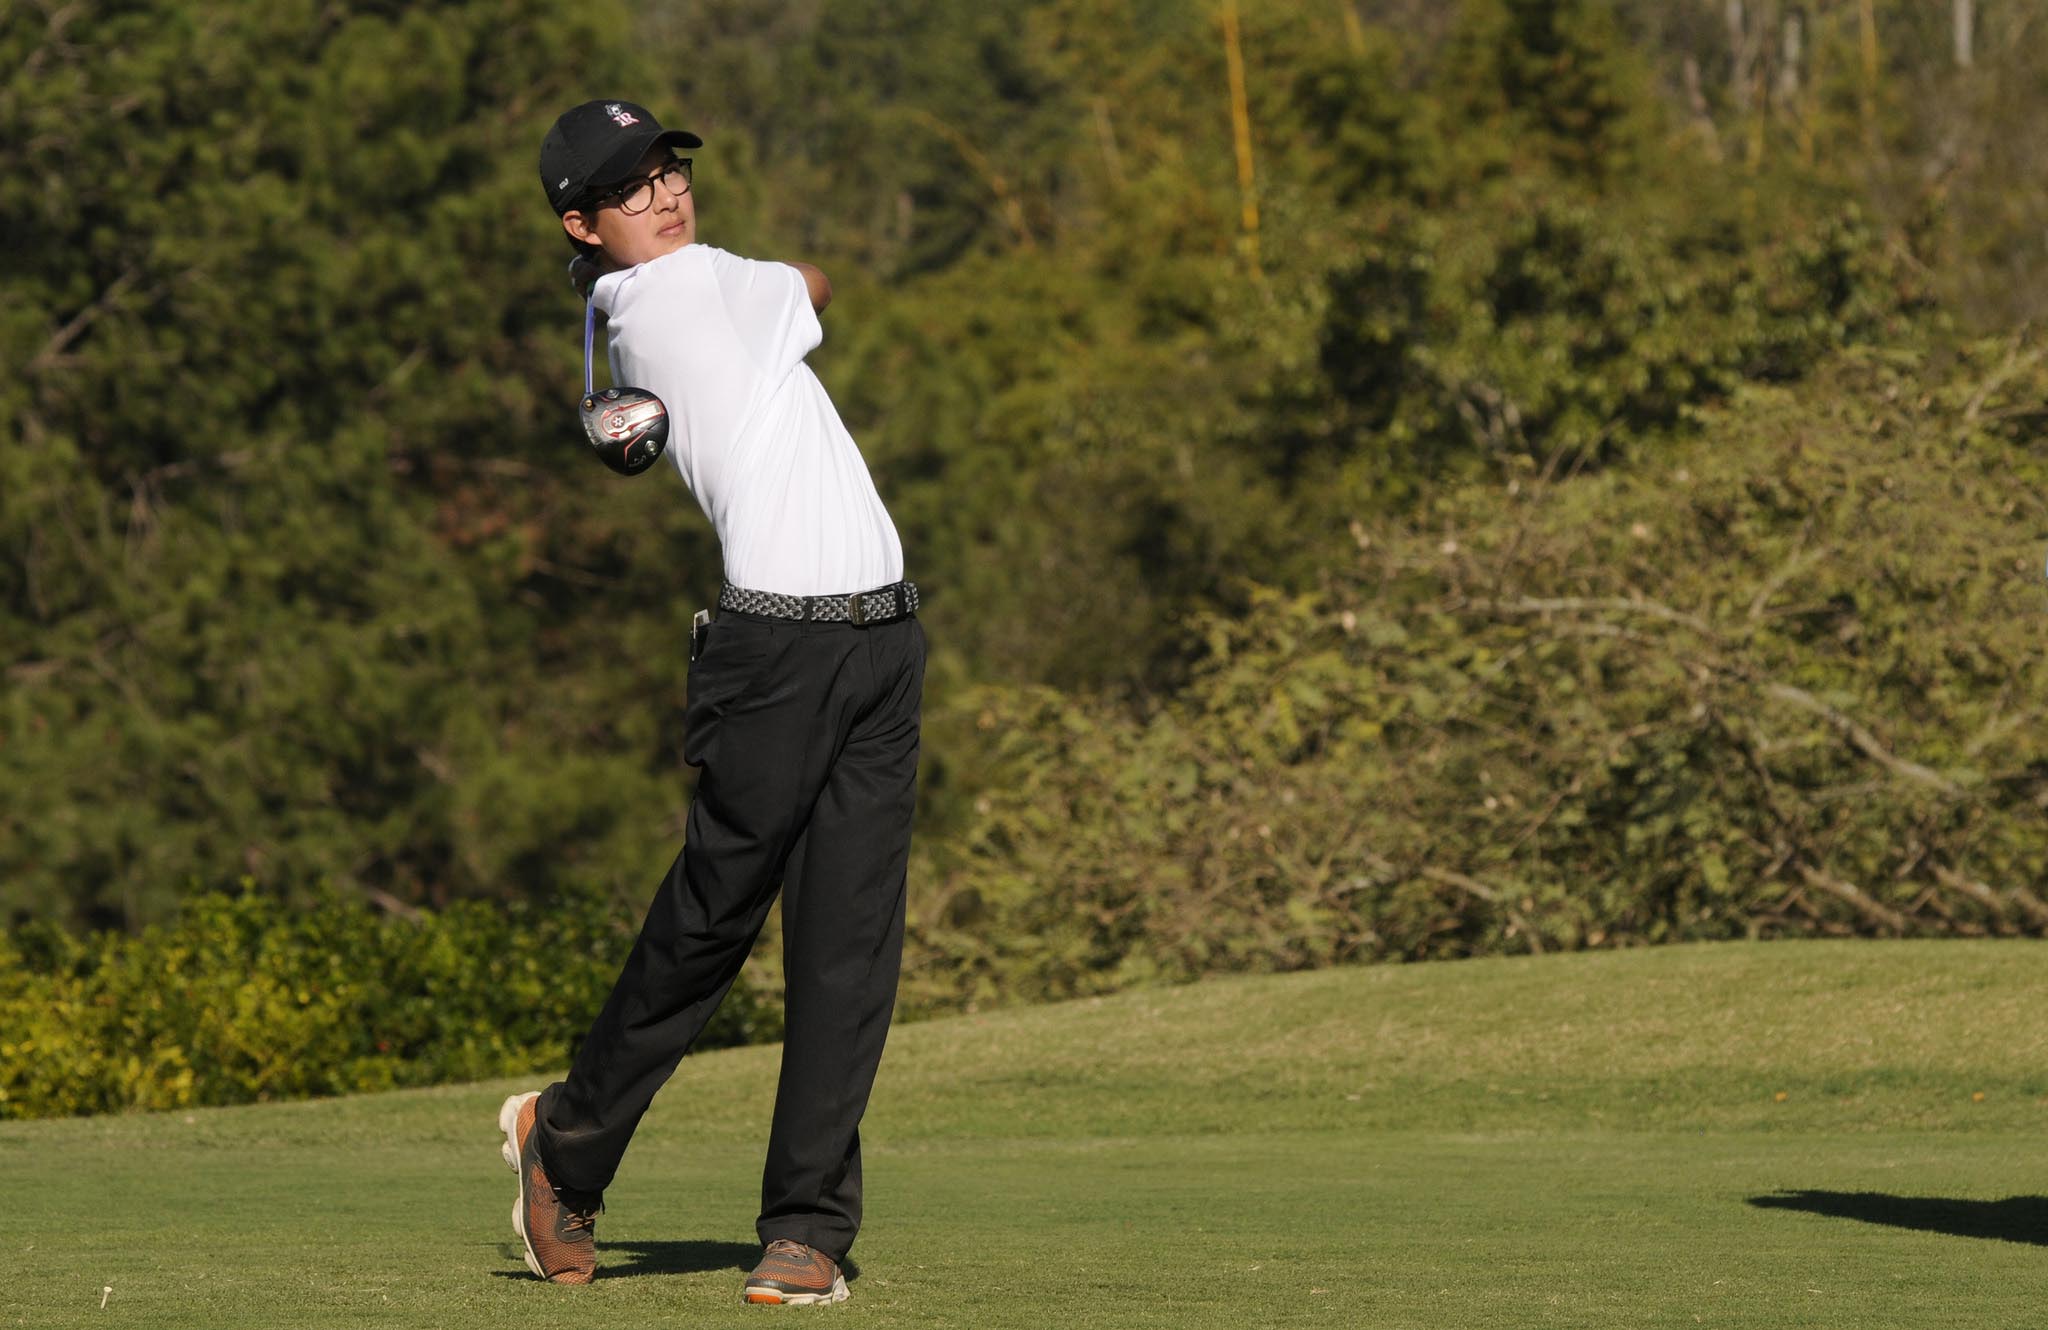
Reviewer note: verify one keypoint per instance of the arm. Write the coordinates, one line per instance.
(818, 284)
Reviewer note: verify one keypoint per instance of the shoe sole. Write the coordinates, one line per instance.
(508, 1122)
(773, 1297)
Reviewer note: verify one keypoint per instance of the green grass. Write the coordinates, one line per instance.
(1569, 1141)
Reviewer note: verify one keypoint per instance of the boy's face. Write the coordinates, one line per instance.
(668, 223)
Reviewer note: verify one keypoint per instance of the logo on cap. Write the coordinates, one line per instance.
(620, 114)
(563, 183)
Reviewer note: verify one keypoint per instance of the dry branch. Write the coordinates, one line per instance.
(1535, 605)
(1474, 887)
(2027, 902)
(1790, 569)
(1866, 741)
(1007, 205)
(2014, 362)
(1970, 887)
(2033, 906)
(80, 321)
(1857, 898)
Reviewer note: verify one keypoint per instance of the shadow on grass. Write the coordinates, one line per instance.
(624, 1260)
(2014, 1219)
(620, 1260)
(685, 1258)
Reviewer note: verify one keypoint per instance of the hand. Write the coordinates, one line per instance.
(583, 274)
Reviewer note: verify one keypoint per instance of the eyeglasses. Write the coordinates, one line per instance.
(634, 196)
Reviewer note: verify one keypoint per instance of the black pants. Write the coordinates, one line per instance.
(807, 737)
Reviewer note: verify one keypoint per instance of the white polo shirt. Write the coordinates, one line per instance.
(722, 340)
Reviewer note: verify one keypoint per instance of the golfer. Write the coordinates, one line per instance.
(802, 718)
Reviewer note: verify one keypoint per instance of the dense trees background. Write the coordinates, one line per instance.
(1337, 472)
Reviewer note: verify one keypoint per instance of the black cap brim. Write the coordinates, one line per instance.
(621, 163)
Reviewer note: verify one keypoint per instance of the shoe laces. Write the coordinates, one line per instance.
(578, 1218)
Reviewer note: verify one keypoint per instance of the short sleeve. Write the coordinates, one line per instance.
(770, 308)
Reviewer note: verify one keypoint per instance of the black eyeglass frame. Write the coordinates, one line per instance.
(621, 195)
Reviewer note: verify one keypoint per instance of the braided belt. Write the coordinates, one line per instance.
(882, 605)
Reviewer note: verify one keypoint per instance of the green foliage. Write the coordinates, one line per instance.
(303, 578)
(1565, 330)
(1695, 700)
(1106, 437)
(243, 998)
(1545, 82)
(277, 582)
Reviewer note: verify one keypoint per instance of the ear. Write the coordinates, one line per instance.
(580, 228)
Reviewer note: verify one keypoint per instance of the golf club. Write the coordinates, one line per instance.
(627, 427)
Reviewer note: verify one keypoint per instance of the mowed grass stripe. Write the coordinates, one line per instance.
(1551, 1141)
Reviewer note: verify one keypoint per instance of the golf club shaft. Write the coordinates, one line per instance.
(589, 336)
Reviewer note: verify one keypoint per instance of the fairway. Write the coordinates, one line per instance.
(1768, 1135)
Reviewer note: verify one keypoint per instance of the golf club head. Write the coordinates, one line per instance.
(627, 428)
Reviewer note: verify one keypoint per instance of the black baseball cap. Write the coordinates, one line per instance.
(598, 143)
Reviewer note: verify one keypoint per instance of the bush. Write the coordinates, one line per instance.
(1782, 682)
(247, 998)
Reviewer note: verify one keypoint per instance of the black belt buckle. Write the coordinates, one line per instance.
(857, 607)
